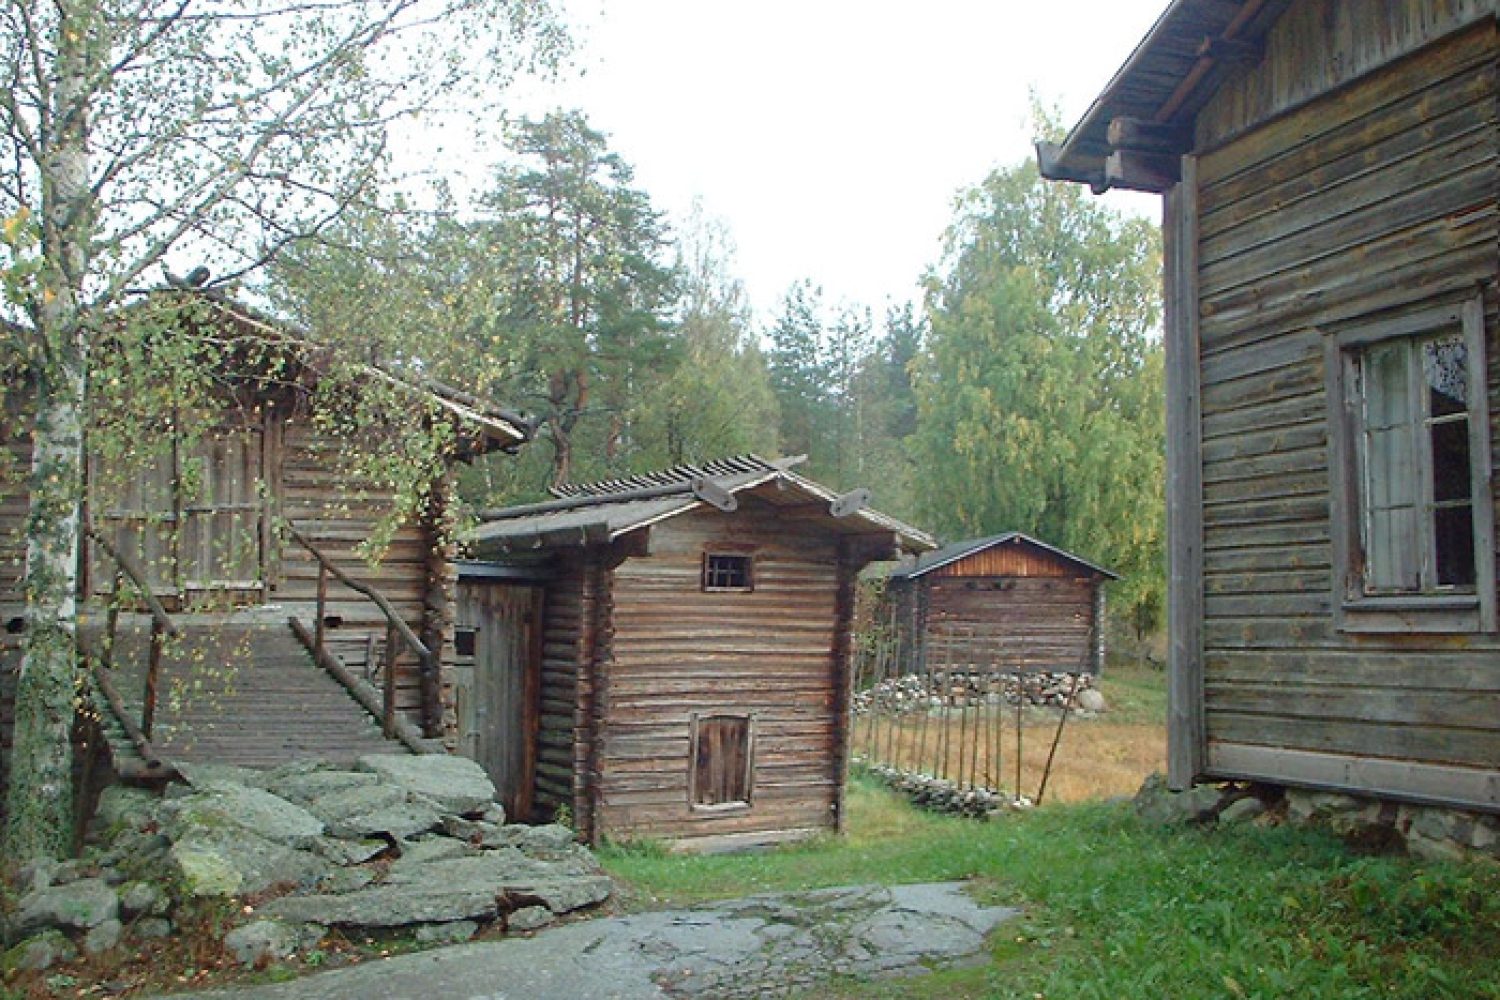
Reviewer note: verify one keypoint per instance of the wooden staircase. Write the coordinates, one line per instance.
(245, 693)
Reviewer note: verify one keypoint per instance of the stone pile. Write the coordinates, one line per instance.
(1431, 832)
(933, 691)
(399, 843)
(942, 795)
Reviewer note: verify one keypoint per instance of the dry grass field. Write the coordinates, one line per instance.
(1096, 758)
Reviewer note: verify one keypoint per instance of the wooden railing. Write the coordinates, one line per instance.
(397, 634)
(162, 628)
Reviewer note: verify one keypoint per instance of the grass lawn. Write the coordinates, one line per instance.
(1115, 909)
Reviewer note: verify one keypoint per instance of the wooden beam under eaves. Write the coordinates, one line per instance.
(1153, 172)
(1143, 136)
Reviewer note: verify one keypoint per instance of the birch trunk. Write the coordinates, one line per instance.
(40, 803)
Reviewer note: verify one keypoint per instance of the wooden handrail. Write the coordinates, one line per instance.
(395, 626)
(161, 625)
(117, 704)
(137, 576)
(395, 620)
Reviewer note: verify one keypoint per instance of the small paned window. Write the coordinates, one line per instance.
(1413, 515)
(723, 760)
(722, 571)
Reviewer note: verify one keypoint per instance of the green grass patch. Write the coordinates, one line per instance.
(1136, 693)
(1117, 909)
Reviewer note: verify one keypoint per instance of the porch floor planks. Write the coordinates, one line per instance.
(246, 694)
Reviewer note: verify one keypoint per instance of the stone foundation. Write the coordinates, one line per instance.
(1433, 832)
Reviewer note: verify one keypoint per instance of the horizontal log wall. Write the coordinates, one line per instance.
(561, 740)
(337, 511)
(1011, 623)
(677, 650)
(1380, 195)
(1317, 45)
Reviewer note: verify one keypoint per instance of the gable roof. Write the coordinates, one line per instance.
(1166, 80)
(596, 513)
(948, 554)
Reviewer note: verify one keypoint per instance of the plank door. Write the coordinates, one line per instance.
(500, 711)
(193, 520)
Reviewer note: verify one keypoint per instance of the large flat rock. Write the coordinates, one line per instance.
(761, 946)
(456, 784)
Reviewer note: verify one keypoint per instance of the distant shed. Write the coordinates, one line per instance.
(1007, 599)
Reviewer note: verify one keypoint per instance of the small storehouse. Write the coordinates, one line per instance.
(667, 656)
(252, 629)
(1006, 600)
(1328, 170)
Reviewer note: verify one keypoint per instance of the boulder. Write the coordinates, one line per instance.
(143, 898)
(220, 805)
(306, 786)
(453, 932)
(262, 941)
(335, 805)
(207, 774)
(1158, 804)
(1090, 700)
(456, 784)
(388, 906)
(83, 904)
(218, 862)
(1242, 810)
(103, 938)
(349, 852)
(42, 951)
(151, 928)
(529, 918)
(399, 821)
(122, 807)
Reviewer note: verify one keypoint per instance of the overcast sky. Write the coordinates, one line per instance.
(831, 136)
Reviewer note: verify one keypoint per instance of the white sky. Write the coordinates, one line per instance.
(831, 136)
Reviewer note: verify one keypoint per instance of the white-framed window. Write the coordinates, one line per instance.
(723, 760)
(1412, 509)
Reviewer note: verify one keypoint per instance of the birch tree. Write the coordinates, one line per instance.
(216, 131)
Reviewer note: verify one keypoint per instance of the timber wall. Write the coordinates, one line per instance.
(1013, 623)
(675, 650)
(1379, 195)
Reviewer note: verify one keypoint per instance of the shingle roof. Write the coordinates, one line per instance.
(601, 512)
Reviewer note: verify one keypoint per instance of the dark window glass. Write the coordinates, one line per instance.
(725, 572)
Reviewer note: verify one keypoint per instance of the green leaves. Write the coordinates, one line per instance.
(1039, 395)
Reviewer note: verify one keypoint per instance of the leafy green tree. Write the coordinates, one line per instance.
(1039, 393)
(135, 130)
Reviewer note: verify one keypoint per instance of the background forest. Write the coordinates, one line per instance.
(1023, 394)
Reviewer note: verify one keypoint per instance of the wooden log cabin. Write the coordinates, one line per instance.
(243, 547)
(667, 656)
(1005, 601)
(1329, 175)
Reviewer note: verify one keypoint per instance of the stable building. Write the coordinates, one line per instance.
(667, 655)
(1007, 602)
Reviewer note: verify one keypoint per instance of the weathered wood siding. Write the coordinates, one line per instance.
(560, 736)
(1007, 560)
(1380, 194)
(1015, 623)
(676, 650)
(1318, 45)
(337, 511)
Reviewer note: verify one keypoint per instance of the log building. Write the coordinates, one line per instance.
(228, 555)
(1332, 210)
(1006, 600)
(667, 656)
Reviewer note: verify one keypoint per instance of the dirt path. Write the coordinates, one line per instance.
(760, 946)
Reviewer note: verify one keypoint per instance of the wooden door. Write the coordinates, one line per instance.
(500, 624)
(193, 518)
